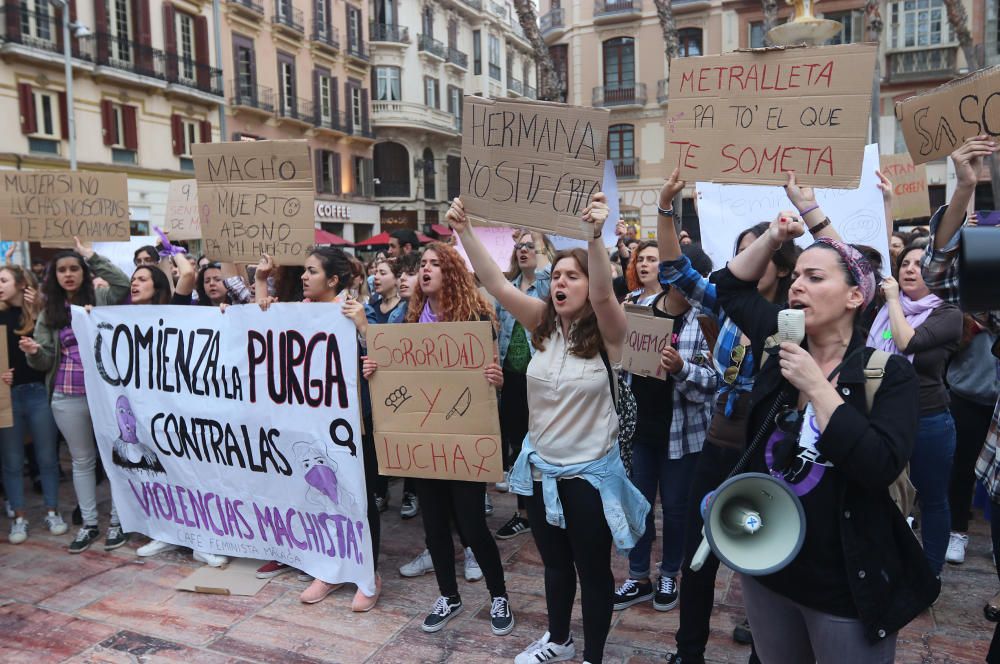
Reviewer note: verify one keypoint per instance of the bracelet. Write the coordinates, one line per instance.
(808, 210)
(665, 213)
(820, 226)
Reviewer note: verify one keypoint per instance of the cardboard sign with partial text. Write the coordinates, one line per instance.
(645, 338)
(54, 206)
(937, 122)
(749, 117)
(182, 219)
(499, 242)
(532, 164)
(909, 186)
(256, 198)
(435, 414)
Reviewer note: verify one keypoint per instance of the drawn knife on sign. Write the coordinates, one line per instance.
(462, 405)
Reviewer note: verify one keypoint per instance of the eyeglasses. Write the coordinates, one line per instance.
(736, 357)
(530, 246)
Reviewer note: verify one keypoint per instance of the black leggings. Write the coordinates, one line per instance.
(581, 549)
(513, 419)
(972, 422)
(371, 488)
(442, 500)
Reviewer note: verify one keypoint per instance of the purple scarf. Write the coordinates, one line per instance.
(916, 312)
(426, 315)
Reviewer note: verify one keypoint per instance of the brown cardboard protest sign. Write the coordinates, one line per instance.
(532, 164)
(749, 117)
(937, 122)
(256, 198)
(435, 415)
(182, 219)
(54, 206)
(909, 186)
(645, 338)
(6, 406)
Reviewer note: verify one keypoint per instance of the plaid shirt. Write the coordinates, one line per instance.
(940, 270)
(69, 375)
(701, 292)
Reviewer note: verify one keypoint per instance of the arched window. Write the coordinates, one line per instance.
(619, 63)
(392, 170)
(430, 186)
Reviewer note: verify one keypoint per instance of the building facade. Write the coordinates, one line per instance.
(300, 69)
(427, 54)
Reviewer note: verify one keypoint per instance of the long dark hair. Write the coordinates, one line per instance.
(199, 286)
(56, 313)
(29, 312)
(584, 336)
(336, 263)
(161, 284)
(784, 258)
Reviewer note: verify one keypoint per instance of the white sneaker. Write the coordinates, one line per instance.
(542, 651)
(488, 506)
(18, 530)
(210, 559)
(154, 547)
(472, 571)
(54, 522)
(956, 548)
(419, 566)
(504, 487)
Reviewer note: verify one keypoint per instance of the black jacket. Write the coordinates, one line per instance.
(885, 568)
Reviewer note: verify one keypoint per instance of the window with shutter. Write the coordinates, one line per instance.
(26, 102)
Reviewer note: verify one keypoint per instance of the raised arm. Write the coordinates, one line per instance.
(526, 309)
(885, 186)
(185, 275)
(804, 200)
(666, 229)
(118, 281)
(968, 161)
(751, 264)
(610, 315)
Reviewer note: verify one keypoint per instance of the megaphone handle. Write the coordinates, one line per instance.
(701, 555)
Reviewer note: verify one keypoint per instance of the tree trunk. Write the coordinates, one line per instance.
(874, 23)
(665, 12)
(551, 87)
(770, 17)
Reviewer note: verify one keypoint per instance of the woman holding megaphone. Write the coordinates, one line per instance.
(860, 575)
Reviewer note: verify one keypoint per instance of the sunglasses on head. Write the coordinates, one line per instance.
(733, 371)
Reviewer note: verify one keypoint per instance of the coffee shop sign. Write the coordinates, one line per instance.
(328, 210)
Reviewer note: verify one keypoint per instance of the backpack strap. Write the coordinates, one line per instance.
(611, 378)
(874, 373)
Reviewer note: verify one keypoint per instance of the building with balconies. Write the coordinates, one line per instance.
(144, 90)
(300, 69)
(425, 58)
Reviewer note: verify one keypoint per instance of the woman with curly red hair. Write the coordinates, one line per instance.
(447, 294)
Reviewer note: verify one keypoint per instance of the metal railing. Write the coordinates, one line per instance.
(251, 96)
(608, 95)
(288, 16)
(127, 55)
(495, 72)
(626, 167)
(515, 85)
(296, 108)
(388, 32)
(392, 189)
(553, 20)
(498, 9)
(530, 92)
(475, 4)
(326, 34)
(356, 50)
(609, 7)
(192, 74)
(923, 63)
(662, 90)
(428, 44)
(334, 121)
(458, 58)
(252, 5)
(41, 30)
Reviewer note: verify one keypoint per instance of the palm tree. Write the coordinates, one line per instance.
(665, 12)
(770, 8)
(551, 87)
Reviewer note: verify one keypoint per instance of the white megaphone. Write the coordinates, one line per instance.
(754, 524)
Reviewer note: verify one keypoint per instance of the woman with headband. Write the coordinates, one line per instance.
(860, 575)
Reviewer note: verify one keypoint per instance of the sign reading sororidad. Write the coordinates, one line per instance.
(937, 122)
(532, 164)
(256, 198)
(749, 117)
(910, 200)
(56, 206)
(435, 414)
(234, 433)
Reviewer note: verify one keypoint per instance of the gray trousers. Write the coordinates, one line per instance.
(73, 419)
(785, 632)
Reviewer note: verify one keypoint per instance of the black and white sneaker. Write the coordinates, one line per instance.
(501, 617)
(410, 506)
(543, 650)
(666, 594)
(517, 525)
(116, 537)
(631, 593)
(445, 608)
(382, 503)
(83, 539)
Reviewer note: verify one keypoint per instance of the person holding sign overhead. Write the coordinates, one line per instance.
(55, 351)
(570, 465)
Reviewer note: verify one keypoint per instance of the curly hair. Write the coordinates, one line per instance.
(632, 274)
(29, 312)
(584, 336)
(462, 301)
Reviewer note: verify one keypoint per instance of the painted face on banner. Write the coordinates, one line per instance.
(126, 420)
(320, 471)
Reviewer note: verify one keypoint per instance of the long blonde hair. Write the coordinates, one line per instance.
(29, 312)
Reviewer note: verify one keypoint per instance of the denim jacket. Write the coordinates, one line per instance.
(625, 508)
(540, 289)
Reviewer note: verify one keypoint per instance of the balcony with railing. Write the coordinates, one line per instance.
(358, 51)
(515, 26)
(662, 90)
(457, 58)
(296, 109)
(288, 18)
(388, 33)
(619, 95)
(414, 116)
(530, 92)
(926, 64)
(38, 34)
(333, 121)
(551, 24)
(256, 99)
(326, 35)
(250, 8)
(515, 86)
(189, 77)
(626, 168)
(497, 9)
(427, 45)
(392, 188)
(125, 59)
(495, 72)
(610, 11)
(473, 4)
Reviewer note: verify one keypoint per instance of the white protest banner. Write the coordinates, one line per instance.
(499, 242)
(234, 433)
(725, 211)
(122, 254)
(610, 189)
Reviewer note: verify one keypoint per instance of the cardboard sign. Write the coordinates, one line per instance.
(749, 117)
(937, 122)
(6, 405)
(54, 206)
(256, 198)
(499, 242)
(645, 338)
(182, 219)
(435, 414)
(532, 164)
(909, 186)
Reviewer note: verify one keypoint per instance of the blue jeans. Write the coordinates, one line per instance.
(31, 414)
(652, 469)
(930, 472)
